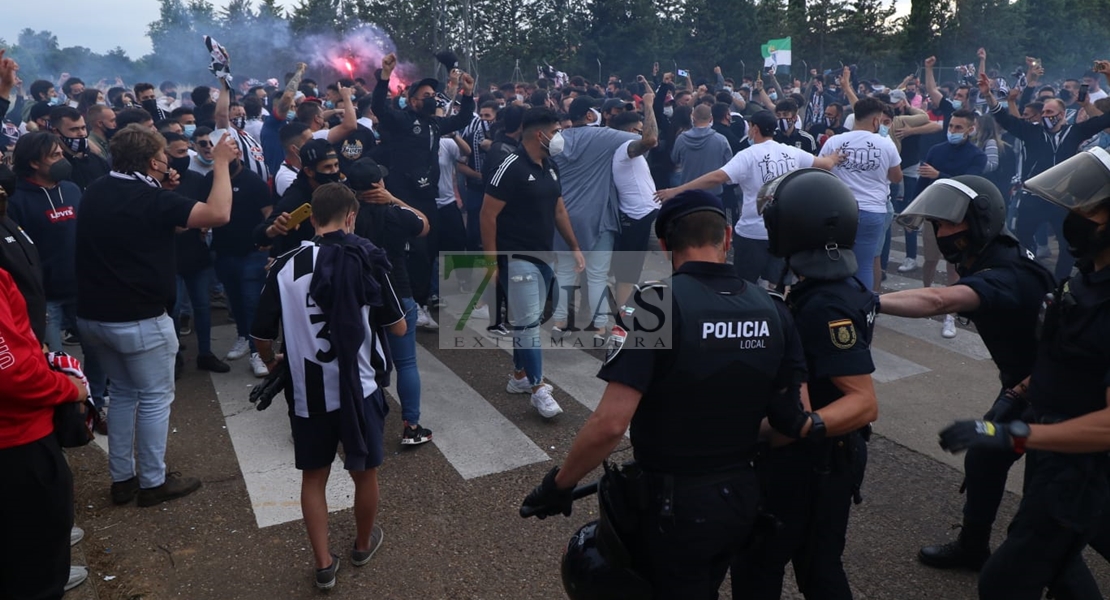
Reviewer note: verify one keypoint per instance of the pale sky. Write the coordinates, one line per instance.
(105, 24)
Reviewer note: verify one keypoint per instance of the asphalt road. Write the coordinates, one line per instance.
(449, 508)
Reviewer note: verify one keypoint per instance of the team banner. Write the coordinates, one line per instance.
(776, 55)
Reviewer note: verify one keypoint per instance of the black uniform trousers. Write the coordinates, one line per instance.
(1062, 506)
(36, 516)
(423, 251)
(685, 555)
(809, 488)
(986, 473)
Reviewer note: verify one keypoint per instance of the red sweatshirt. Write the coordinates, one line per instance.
(29, 388)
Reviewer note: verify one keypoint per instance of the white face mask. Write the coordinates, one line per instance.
(669, 111)
(597, 118)
(557, 144)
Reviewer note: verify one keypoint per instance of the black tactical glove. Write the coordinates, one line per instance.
(547, 499)
(986, 435)
(1007, 407)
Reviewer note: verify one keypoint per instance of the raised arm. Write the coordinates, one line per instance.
(650, 137)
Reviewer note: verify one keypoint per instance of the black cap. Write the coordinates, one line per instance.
(684, 204)
(314, 151)
(612, 103)
(579, 107)
(766, 122)
(364, 173)
(429, 81)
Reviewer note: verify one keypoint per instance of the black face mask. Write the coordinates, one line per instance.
(428, 107)
(1083, 237)
(325, 178)
(61, 171)
(108, 133)
(239, 122)
(954, 247)
(76, 145)
(180, 164)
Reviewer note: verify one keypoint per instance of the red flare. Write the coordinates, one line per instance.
(350, 68)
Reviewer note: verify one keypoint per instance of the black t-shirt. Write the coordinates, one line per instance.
(1010, 298)
(530, 193)
(835, 320)
(249, 195)
(798, 139)
(193, 254)
(390, 227)
(125, 249)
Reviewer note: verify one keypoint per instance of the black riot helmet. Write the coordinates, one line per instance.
(811, 219)
(1080, 184)
(967, 198)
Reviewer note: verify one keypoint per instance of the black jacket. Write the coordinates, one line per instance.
(1043, 149)
(412, 143)
(20, 258)
(299, 192)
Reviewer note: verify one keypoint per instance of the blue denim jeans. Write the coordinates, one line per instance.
(195, 288)
(403, 350)
(55, 317)
(243, 278)
(869, 240)
(138, 357)
(598, 260)
(527, 288)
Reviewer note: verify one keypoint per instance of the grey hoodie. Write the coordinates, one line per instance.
(586, 174)
(699, 151)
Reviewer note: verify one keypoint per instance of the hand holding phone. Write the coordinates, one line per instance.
(298, 216)
(1082, 98)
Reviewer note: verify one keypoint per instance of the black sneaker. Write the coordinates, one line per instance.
(498, 330)
(175, 487)
(415, 435)
(178, 365)
(325, 578)
(125, 491)
(184, 327)
(209, 362)
(361, 557)
(70, 338)
(958, 554)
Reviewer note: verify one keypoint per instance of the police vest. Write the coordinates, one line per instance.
(728, 348)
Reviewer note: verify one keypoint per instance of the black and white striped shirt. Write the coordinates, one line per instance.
(313, 368)
(251, 150)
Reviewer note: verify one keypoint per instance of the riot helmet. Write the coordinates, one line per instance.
(811, 219)
(1080, 184)
(966, 198)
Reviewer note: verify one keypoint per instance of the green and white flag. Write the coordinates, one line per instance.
(776, 55)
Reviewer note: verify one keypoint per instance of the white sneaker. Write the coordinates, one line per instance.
(257, 366)
(430, 322)
(522, 386)
(76, 535)
(544, 403)
(908, 265)
(239, 350)
(77, 576)
(949, 330)
(480, 313)
(421, 317)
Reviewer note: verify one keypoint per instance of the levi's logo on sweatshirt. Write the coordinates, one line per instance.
(65, 213)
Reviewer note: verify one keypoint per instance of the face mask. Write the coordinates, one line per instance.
(884, 130)
(189, 130)
(784, 125)
(557, 144)
(830, 123)
(957, 104)
(773, 96)
(403, 102)
(60, 171)
(328, 104)
(668, 111)
(180, 164)
(108, 133)
(239, 122)
(205, 161)
(172, 95)
(597, 118)
(323, 178)
(57, 101)
(291, 116)
(428, 107)
(76, 145)
(952, 247)
(1050, 122)
(727, 88)
(519, 98)
(1083, 237)
(956, 138)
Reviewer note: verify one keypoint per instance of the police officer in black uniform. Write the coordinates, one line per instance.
(1066, 494)
(1001, 289)
(809, 485)
(735, 360)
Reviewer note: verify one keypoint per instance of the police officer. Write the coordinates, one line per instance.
(735, 360)
(1068, 435)
(1001, 288)
(811, 220)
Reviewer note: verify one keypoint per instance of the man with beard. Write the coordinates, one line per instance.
(69, 125)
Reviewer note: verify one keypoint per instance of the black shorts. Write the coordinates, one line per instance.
(317, 438)
(631, 247)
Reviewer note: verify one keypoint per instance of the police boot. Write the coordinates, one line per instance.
(969, 551)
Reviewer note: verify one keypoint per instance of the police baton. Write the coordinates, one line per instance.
(578, 493)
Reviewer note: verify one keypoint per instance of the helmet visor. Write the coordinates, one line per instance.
(766, 195)
(945, 200)
(1081, 182)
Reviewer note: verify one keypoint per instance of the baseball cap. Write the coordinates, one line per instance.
(364, 173)
(429, 81)
(684, 204)
(314, 151)
(612, 103)
(897, 96)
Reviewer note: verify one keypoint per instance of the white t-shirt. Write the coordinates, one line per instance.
(1097, 95)
(635, 187)
(321, 134)
(284, 178)
(754, 166)
(864, 171)
(449, 156)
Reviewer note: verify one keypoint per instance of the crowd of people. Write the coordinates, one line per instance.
(129, 213)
